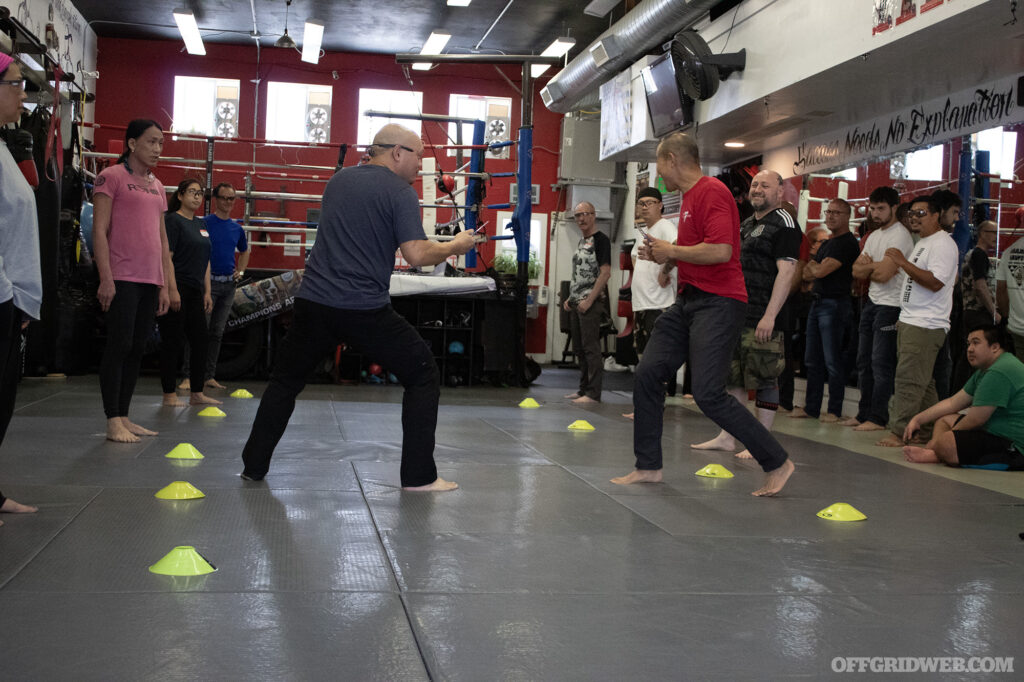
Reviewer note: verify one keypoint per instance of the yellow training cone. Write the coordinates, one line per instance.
(529, 403)
(581, 425)
(241, 393)
(840, 511)
(184, 451)
(180, 490)
(183, 561)
(212, 411)
(714, 471)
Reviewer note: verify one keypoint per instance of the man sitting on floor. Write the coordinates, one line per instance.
(991, 434)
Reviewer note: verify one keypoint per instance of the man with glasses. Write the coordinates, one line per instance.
(652, 290)
(876, 352)
(926, 301)
(369, 212)
(768, 256)
(587, 302)
(978, 291)
(226, 237)
(831, 271)
(704, 323)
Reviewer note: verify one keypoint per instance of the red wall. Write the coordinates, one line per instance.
(126, 91)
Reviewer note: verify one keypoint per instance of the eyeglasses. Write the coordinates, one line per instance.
(230, 198)
(917, 213)
(20, 83)
(194, 192)
(830, 212)
(582, 214)
(647, 204)
(389, 146)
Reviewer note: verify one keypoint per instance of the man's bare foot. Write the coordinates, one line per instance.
(798, 413)
(850, 421)
(891, 441)
(11, 507)
(213, 383)
(171, 400)
(775, 480)
(639, 476)
(723, 441)
(136, 429)
(628, 415)
(117, 432)
(438, 486)
(828, 418)
(185, 385)
(584, 399)
(869, 426)
(920, 455)
(744, 455)
(571, 396)
(201, 399)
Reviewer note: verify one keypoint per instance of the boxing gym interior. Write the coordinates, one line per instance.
(155, 559)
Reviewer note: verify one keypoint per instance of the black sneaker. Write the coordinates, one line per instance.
(250, 477)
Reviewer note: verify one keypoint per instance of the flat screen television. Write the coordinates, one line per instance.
(669, 107)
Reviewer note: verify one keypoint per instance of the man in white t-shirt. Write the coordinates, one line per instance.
(652, 290)
(876, 352)
(926, 303)
(1010, 293)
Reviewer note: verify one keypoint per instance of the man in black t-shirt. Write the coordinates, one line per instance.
(587, 303)
(831, 271)
(768, 256)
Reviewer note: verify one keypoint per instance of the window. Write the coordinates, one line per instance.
(538, 239)
(495, 111)
(205, 106)
(393, 102)
(925, 164)
(1002, 148)
(297, 112)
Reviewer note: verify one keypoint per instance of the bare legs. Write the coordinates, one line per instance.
(724, 441)
(941, 449)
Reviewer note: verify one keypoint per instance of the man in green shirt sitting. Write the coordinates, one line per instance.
(990, 435)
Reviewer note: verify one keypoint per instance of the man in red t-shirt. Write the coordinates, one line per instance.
(703, 326)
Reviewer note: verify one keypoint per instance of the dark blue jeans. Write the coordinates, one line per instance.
(383, 336)
(824, 353)
(876, 361)
(702, 330)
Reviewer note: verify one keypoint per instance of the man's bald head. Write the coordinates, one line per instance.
(393, 135)
(399, 149)
(765, 192)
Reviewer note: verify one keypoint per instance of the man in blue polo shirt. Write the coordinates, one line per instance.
(226, 236)
(990, 435)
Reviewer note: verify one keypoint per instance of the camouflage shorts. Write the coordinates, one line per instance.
(754, 364)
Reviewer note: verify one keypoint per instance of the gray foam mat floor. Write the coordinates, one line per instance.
(537, 568)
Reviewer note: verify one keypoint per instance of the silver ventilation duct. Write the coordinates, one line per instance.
(646, 27)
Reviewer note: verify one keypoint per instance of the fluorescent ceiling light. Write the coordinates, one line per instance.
(537, 70)
(735, 145)
(312, 37)
(559, 47)
(189, 31)
(599, 8)
(434, 44)
(459, 3)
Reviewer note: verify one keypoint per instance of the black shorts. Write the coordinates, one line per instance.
(979, 449)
